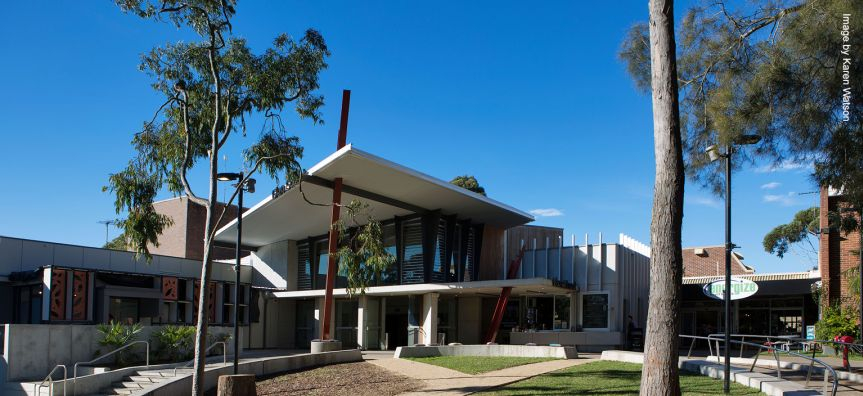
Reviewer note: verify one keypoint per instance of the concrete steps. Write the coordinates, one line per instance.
(139, 381)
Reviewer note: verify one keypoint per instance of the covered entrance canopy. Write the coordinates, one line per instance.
(389, 188)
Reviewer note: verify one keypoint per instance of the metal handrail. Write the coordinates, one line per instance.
(75, 367)
(858, 348)
(827, 368)
(224, 356)
(39, 386)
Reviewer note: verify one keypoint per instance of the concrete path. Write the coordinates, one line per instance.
(440, 381)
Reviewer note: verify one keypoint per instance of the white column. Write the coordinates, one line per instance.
(573, 310)
(429, 323)
(383, 318)
(361, 321)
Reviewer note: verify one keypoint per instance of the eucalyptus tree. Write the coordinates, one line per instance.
(799, 232)
(659, 375)
(784, 70)
(210, 87)
(787, 70)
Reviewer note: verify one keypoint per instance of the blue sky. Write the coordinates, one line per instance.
(530, 98)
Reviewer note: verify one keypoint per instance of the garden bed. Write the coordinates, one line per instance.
(355, 379)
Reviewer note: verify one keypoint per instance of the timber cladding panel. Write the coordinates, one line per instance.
(211, 303)
(169, 288)
(80, 289)
(491, 254)
(58, 294)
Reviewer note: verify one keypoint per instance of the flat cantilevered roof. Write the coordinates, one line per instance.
(488, 288)
(388, 188)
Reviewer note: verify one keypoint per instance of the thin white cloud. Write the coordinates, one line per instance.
(784, 166)
(788, 199)
(547, 212)
(705, 201)
(771, 185)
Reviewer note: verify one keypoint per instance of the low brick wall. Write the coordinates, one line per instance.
(489, 350)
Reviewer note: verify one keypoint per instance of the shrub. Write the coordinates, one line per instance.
(837, 321)
(115, 335)
(174, 342)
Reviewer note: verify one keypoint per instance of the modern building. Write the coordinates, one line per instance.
(453, 249)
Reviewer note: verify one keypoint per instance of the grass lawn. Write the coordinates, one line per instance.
(609, 378)
(477, 364)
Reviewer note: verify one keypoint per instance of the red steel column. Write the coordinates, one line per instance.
(326, 333)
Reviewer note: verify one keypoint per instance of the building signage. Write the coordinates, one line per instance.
(740, 289)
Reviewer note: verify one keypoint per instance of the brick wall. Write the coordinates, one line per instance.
(172, 242)
(185, 238)
(835, 253)
(711, 262)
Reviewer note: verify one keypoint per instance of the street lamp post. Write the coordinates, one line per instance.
(714, 154)
(247, 185)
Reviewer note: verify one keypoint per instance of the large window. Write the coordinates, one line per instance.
(321, 250)
(438, 271)
(29, 304)
(390, 276)
(594, 311)
(124, 310)
(561, 313)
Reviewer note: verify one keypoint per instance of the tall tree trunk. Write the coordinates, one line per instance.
(659, 374)
(203, 297)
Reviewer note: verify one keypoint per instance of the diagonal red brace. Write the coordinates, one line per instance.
(500, 307)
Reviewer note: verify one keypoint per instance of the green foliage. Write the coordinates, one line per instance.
(117, 243)
(210, 87)
(115, 335)
(773, 69)
(836, 321)
(804, 225)
(174, 343)
(468, 182)
(362, 255)
(853, 276)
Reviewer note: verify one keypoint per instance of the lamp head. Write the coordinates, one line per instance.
(228, 176)
(713, 152)
(744, 140)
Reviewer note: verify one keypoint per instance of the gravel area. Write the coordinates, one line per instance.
(355, 379)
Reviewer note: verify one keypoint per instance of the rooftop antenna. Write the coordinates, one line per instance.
(107, 223)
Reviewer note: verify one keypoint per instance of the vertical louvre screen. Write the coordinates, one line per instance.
(471, 255)
(304, 267)
(412, 252)
(438, 274)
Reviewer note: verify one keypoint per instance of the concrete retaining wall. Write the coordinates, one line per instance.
(260, 368)
(584, 340)
(31, 351)
(488, 350)
(766, 383)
